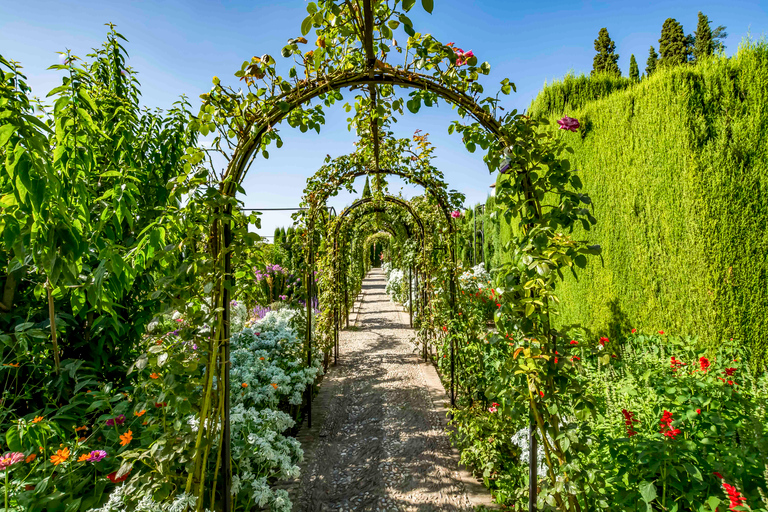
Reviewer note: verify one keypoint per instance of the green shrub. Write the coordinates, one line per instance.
(676, 166)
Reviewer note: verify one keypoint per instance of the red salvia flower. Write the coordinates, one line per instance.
(629, 419)
(730, 371)
(666, 425)
(704, 363)
(676, 363)
(604, 340)
(737, 500)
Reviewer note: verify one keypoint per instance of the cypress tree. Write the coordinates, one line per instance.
(367, 188)
(718, 35)
(703, 45)
(653, 60)
(634, 71)
(673, 44)
(606, 59)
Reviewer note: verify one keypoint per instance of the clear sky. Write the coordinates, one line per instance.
(178, 46)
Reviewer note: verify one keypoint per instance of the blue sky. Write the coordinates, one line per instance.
(178, 46)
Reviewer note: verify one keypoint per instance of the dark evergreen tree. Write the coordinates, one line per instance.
(703, 45)
(718, 35)
(634, 71)
(653, 60)
(367, 188)
(674, 46)
(606, 60)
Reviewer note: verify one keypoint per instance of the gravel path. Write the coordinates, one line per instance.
(378, 442)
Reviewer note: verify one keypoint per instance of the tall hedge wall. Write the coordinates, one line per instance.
(677, 167)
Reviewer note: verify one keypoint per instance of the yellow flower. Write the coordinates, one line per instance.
(61, 456)
(126, 438)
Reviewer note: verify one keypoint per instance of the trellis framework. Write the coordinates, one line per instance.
(244, 126)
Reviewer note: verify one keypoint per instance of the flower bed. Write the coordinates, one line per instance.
(111, 450)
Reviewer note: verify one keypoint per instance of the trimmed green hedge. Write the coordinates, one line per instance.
(677, 168)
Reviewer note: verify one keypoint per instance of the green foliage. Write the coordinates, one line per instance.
(704, 46)
(634, 71)
(652, 62)
(673, 45)
(606, 60)
(84, 185)
(675, 166)
(570, 93)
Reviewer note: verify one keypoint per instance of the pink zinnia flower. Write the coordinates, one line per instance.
(455, 214)
(97, 455)
(568, 123)
(10, 458)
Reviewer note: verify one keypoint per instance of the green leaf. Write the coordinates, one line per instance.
(713, 502)
(13, 439)
(648, 491)
(408, 5)
(306, 25)
(5, 133)
(428, 5)
(693, 471)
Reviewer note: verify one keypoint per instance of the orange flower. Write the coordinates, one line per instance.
(81, 440)
(126, 438)
(61, 456)
(261, 358)
(30, 458)
(37, 419)
(154, 376)
(274, 385)
(12, 365)
(139, 413)
(244, 384)
(83, 457)
(78, 429)
(145, 422)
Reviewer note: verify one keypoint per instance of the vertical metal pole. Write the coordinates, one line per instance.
(532, 465)
(474, 237)
(226, 442)
(346, 296)
(410, 298)
(310, 234)
(453, 338)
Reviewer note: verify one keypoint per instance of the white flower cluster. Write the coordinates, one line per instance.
(394, 286)
(182, 503)
(474, 279)
(268, 369)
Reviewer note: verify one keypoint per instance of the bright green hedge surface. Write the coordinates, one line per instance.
(676, 166)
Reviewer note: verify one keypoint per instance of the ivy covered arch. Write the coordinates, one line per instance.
(352, 52)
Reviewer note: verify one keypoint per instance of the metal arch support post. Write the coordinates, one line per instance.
(532, 466)
(453, 337)
(226, 442)
(410, 297)
(310, 267)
